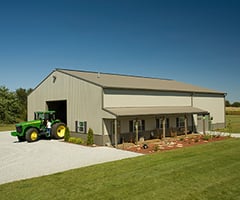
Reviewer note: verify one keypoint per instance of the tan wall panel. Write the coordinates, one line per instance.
(214, 105)
(128, 100)
(124, 125)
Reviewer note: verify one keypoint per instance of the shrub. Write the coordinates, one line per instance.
(75, 140)
(67, 135)
(156, 148)
(79, 141)
(72, 139)
(229, 126)
(90, 137)
(181, 139)
(206, 137)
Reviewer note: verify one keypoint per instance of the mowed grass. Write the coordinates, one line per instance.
(208, 171)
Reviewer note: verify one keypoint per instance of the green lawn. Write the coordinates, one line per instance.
(234, 122)
(7, 127)
(209, 171)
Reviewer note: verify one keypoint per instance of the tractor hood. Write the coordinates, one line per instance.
(20, 127)
(28, 123)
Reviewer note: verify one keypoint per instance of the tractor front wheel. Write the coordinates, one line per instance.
(32, 135)
(58, 130)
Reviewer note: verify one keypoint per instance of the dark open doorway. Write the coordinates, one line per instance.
(60, 107)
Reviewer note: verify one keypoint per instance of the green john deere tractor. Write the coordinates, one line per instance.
(31, 131)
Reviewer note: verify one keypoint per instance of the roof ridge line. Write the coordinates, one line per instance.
(115, 74)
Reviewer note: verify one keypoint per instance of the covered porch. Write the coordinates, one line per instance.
(138, 123)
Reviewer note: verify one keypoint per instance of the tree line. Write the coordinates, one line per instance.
(234, 104)
(13, 105)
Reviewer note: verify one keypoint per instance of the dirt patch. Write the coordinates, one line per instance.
(157, 145)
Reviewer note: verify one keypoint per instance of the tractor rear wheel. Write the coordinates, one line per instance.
(32, 135)
(58, 130)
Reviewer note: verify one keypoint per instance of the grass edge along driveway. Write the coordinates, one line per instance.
(209, 171)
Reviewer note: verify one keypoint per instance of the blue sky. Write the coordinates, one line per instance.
(192, 41)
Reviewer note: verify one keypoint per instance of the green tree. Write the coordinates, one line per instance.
(67, 135)
(227, 103)
(90, 137)
(9, 106)
(236, 104)
(22, 95)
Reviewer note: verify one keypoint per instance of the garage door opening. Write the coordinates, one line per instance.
(60, 107)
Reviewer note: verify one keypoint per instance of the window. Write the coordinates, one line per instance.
(81, 126)
(38, 116)
(159, 123)
(180, 122)
(132, 125)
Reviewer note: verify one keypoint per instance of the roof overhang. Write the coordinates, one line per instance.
(160, 110)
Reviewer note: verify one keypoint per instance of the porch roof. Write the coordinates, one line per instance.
(156, 110)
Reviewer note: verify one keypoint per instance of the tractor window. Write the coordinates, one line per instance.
(53, 116)
(50, 116)
(41, 116)
(47, 117)
(38, 116)
(44, 116)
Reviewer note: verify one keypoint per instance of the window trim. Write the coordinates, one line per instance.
(180, 122)
(141, 126)
(159, 123)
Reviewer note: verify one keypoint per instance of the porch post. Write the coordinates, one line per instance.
(204, 124)
(115, 135)
(136, 126)
(185, 125)
(164, 127)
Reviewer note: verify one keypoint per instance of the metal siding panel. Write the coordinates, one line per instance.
(129, 98)
(215, 106)
(85, 104)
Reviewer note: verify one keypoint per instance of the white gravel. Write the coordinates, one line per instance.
(234, 135)
(22, 160)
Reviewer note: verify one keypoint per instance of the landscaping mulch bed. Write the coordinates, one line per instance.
(157, 145)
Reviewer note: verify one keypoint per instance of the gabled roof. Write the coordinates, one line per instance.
(105, 80)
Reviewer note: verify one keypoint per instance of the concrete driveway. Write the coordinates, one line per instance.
(22, 160)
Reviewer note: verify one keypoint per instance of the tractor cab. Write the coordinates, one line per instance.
(49, 115)
(44, 117)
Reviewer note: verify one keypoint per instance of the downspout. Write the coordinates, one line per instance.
(225, 110)
(102, 121)
(103, 132)
(192, 99)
